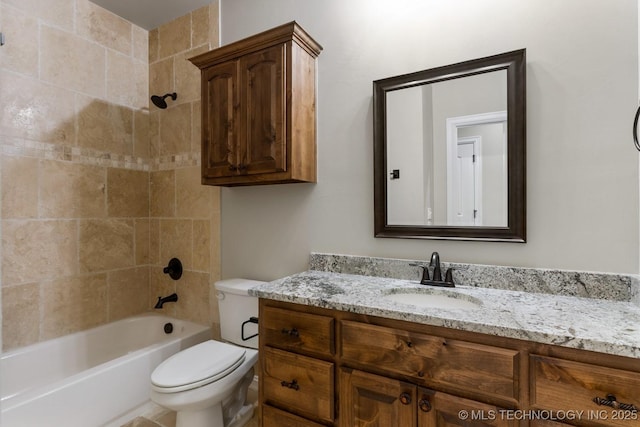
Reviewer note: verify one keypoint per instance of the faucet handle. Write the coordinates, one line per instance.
(425, 272)
(448, 277)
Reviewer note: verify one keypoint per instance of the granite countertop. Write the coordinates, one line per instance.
(600, 325)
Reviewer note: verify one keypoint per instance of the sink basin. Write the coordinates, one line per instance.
(436, 299)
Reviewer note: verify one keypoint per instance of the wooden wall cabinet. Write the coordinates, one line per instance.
(323, 367)
(259, 109)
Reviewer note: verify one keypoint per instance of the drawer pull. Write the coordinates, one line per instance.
(292, 384)
(293, 332)
(424, 405)
(405, 398)
(613, 403)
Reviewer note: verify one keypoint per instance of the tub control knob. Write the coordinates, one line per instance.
(174, 269)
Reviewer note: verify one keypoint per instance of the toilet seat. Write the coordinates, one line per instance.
(197, 366)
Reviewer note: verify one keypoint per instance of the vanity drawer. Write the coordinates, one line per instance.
(272, 417)
(561, 385)
(434, 361)
(296, 331)
(298, 384)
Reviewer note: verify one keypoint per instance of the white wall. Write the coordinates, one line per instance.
(582, 176)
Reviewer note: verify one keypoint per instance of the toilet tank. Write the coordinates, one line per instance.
(236, 307)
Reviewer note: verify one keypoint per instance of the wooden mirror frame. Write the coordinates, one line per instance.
(515, 231)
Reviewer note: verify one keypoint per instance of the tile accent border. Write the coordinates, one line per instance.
(609, 286)
(87, 156)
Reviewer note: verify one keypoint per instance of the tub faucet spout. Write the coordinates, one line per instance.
(171, 298)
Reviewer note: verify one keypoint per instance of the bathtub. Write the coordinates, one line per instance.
(90, 378)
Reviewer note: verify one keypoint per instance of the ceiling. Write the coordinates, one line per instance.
(150, 14)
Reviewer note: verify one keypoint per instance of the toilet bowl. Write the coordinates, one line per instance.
(207, 384)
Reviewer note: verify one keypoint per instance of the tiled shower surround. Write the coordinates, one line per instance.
(99, 188)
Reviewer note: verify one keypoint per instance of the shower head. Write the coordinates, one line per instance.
(159, 101)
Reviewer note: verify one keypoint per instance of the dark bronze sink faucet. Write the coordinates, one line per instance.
(437, 273)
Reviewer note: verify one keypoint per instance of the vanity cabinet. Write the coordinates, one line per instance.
(322, 367)
(372, 400)
(557, 384)
(258, 109)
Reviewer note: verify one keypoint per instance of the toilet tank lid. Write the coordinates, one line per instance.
(237, 286)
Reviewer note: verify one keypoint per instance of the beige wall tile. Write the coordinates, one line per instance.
(128, 292)
(128, 193)
(127, 80)
(36, 111)
(161, 285)
(73, 304)
(37, 250)
(161, 79)
(196, 129)
(187, 75)
(20, 315)
(200, 26)
(141, 76)
(201, 245)
(71, 190)
(21, 53)
(153, 46)
(193, 297)
(163, 194)
(176, 241)
(106, 244)
(140, 44)
(72, 62)
(174, 36)
(103, 27)
(193, 200)
(19, 187)
(214, 24)
(214, 269)
(60, 13)
(175, 130)
(142, 241)
(104, 126)
(154, 132)
(141, 133)
(154, 242)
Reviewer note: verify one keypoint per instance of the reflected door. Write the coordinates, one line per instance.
(466, 184)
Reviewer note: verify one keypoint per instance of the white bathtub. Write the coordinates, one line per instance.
(90, 378)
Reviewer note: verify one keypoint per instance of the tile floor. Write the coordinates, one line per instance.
(168, 419)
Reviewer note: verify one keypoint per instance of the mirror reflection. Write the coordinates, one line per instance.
(449, 151)
(448, 143)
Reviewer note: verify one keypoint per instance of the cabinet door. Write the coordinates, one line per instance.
(262, 89)
(272, 417)
(436, 409)
(546, 423)
(220, 121)
(368, 400)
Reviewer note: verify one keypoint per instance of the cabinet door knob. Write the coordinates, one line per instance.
(405, 398)
(424, 405)
(293, 332)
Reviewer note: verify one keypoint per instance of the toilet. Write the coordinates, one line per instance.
(207, 384)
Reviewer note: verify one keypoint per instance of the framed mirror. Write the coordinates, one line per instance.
(449, 151)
